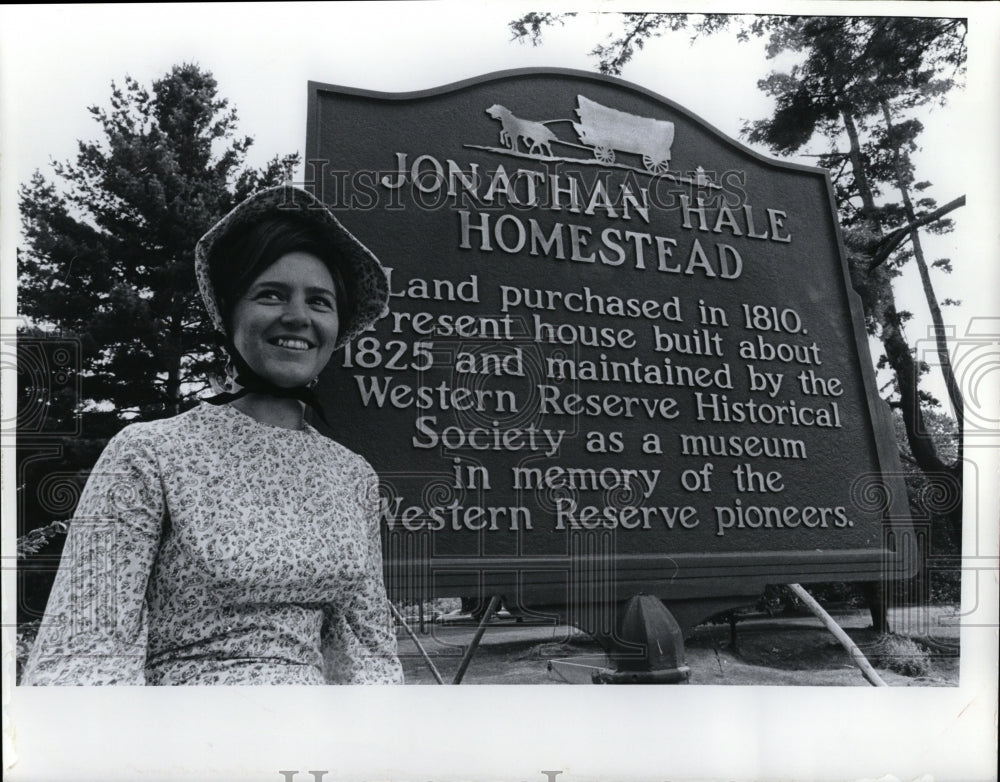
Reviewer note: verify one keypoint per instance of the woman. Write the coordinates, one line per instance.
(235, 544)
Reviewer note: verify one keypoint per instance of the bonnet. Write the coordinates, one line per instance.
(366, 280)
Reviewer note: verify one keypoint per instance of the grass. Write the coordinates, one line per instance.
(900, 654)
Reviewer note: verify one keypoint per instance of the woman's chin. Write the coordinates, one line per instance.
(296, 383)
(287, 379)
(285, 374)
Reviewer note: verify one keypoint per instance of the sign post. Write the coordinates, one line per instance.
(623, 356)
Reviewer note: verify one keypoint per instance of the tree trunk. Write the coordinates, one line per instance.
(947, 479)
(882, 306)
(954, 393)
(875, 286)
(860, 176)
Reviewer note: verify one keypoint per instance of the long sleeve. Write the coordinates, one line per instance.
(359, 639)
(94, 630)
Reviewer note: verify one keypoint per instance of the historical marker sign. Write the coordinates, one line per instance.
(623, 354)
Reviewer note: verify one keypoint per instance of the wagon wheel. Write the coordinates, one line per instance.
(604, 154)
(654, 165)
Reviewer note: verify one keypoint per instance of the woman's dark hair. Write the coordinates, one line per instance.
(240, 258)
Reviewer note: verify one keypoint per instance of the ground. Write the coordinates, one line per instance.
(780, 650)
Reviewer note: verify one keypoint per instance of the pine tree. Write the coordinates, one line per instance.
(110, 246)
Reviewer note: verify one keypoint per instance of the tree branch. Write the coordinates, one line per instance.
(613, 65)
(891, 241)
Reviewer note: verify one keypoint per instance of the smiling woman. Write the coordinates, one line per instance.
(235, 544)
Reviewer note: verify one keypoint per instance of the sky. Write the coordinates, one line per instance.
(57, 60)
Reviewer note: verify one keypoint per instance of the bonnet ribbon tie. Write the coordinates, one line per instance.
(250, 382)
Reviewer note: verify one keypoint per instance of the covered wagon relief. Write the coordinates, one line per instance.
(604, 132)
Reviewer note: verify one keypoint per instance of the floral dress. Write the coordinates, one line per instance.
(210, 548)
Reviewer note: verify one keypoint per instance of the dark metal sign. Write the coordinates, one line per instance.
(622, 356)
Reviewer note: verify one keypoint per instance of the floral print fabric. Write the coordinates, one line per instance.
(209, 548)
